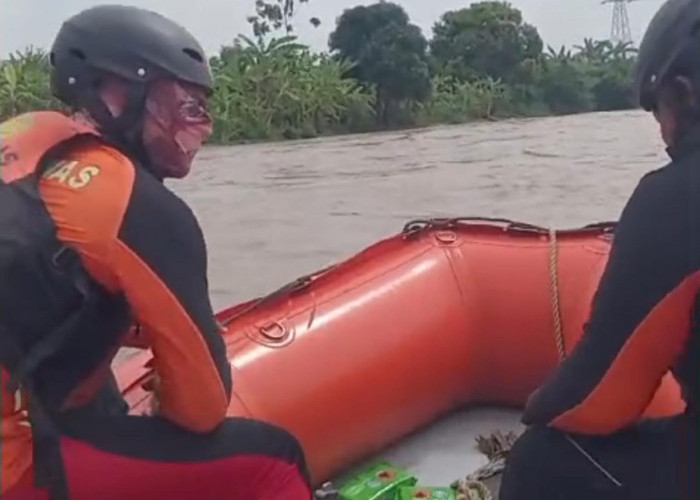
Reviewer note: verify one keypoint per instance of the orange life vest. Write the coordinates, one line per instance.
(24, 142)
(25, 139)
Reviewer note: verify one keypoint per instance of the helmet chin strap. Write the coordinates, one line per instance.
(116, 128)
(126, 130)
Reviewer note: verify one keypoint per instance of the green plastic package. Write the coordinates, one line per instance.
(381, 481)
(425, 493)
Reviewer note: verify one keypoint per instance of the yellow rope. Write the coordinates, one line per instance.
(554, 288)
(556, 312)
(497, 446)
(472, 487)
(473, 490)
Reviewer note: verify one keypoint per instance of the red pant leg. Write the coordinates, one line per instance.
(25, 491)
(94, 474)
(245, 474)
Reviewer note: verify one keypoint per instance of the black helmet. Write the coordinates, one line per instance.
(132, 43)
(670, 43)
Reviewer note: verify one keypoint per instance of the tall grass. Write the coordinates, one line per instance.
(283, 90)
(24, 84)
(272, 91)
(455, 101)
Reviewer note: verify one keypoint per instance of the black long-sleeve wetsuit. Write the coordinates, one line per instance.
(644, 321)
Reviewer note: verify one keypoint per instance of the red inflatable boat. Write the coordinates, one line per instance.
(446, 313)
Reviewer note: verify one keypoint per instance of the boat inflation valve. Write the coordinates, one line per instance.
(446, 237)
(272, 334)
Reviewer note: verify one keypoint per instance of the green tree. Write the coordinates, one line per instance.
(388, 53)
(564, 83)
(485, 63)
(594, 51)
(280, 89)
(613, 75)
(486, 39)
(275, 15)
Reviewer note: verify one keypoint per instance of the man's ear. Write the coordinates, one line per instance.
(683, 93)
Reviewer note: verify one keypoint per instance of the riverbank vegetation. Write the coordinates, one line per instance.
(381, 72)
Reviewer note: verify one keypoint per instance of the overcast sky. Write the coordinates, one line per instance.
(217, 22)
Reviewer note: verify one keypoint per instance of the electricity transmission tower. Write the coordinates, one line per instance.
(620, 32)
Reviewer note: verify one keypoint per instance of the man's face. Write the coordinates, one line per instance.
(176, 123)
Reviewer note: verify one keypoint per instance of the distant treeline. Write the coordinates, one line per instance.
(381, 72)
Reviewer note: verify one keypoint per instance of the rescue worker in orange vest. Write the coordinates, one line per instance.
(138, 84)
(585, 440)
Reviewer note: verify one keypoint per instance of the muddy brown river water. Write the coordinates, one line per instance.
(273, 212)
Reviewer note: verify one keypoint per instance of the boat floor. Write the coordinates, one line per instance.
(446, 450)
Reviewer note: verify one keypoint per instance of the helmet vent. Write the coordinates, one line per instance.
(193, 54)
(78, 53)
